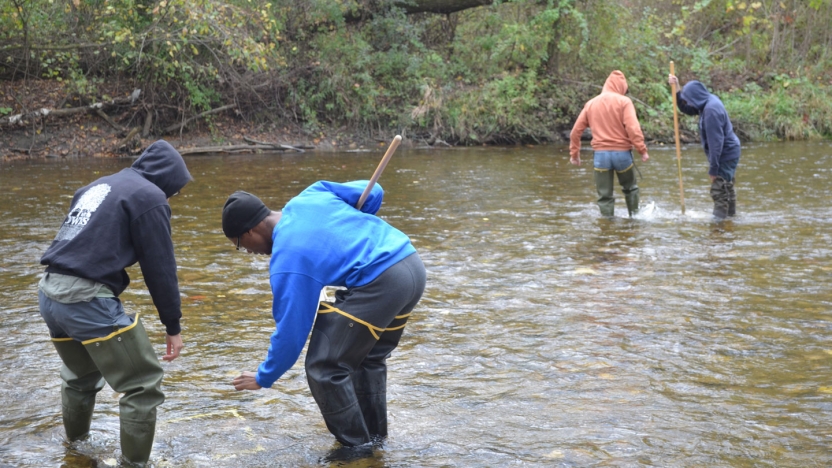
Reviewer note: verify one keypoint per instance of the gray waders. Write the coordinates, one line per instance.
(724, 197)
(346, 361)
(347, 373)
(604, 186)
(126, 360)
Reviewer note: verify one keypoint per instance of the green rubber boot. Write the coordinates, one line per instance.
(732, 198)
(81, 382)
(627, 179)
(720, 196)
(603, 184)
(129, 364)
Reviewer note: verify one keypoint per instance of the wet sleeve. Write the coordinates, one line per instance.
(577, 130)
(154, 250)
(294, 308)
(633, 128)
(714, 127)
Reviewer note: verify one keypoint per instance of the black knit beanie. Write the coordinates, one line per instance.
(242, 211)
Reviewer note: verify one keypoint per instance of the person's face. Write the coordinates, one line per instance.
(252, 242)
(689, 110)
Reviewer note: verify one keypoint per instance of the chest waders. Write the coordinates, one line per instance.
(125, 359)
(346, 361)
(724, 197)
(604, 186)
(732, 198)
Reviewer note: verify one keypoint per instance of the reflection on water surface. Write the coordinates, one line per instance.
(547, 335)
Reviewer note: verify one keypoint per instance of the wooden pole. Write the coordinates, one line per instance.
(678, 145)
(389, 154)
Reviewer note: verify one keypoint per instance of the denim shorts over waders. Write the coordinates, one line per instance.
(606, 164)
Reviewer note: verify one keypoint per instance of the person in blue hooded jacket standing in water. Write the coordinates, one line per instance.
(320, 239)
(718, 139)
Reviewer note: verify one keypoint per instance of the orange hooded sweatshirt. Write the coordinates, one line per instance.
(612, 118)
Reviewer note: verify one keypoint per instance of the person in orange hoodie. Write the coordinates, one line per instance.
(615, 132)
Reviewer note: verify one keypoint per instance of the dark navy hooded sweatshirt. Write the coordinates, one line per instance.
(121, 219)
(715, 129)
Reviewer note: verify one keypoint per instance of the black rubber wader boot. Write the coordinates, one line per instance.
(604, 186)
(627, 179)
(81, 382)
(720, 196)
(129, 364)
(732, 198)
(370, 381)
(337, 346)
(346, 361)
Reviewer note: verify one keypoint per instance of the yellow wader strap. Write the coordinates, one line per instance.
(115, 333)
(620, 172)
(325, 308)
(104, 338)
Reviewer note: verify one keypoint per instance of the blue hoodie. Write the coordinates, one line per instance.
(715, 129)
(121, 219)
(322, 240)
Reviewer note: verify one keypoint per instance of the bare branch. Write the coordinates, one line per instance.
(179, 126)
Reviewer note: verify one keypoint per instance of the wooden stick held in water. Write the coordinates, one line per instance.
(389, 154)
(678, 146)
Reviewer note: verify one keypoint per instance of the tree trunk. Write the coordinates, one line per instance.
(443, 7)
(553, 62)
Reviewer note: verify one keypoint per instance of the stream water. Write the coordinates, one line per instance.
(547, 336)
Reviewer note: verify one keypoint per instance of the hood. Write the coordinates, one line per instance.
(695, 94)
(616, 83)
(162, 165)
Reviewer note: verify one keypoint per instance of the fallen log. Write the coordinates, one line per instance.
(110, 121)
(20, 119)
(148, 121)
(122, 146)
(228, 149)
(252, 141)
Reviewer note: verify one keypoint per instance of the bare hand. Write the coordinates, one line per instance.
(576, 160)
(246, 381)
(672, 80)
(174, 347)
(645, 157)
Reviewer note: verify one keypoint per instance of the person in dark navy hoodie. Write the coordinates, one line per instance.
(718, 139)
(320, 239)
(114, 222)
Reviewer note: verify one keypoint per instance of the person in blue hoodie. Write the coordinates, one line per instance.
(114, 222)
(718, 139)
(320, 239)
